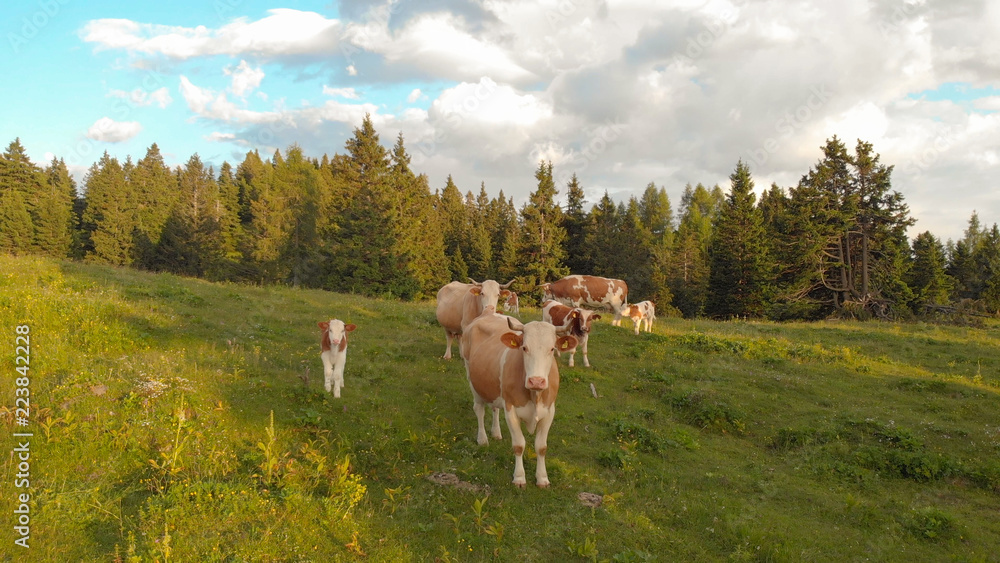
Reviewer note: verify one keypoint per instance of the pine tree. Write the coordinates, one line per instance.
(927, 278)
(18, 174)
(542, 249)
(15, 223)
(156, 193)
(55, 223)
(575, 221)
(451, 210)
(109, 219)
(505, 238)
(480, 247)
(962, 266)
(368, 259)
(690, 268)
(419, 238)
(740, 267)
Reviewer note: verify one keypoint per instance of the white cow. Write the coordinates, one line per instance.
(334, 353)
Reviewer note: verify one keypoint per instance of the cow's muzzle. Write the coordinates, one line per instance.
(537, 383)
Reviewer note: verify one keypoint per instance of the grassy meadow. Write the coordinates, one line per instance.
(179, 420)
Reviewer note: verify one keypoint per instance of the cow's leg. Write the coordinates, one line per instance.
(517, 440)
(638, 323)
(327, 371)
(496, 424)
(338, 373)
(572, 356)
(583, 347)
(480, 410)
(541, 447)
(447, 350)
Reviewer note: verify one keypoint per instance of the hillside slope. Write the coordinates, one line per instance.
(175, 419)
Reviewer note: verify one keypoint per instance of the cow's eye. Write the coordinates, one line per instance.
(525, 348)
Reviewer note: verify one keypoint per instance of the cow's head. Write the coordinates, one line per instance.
(547, 294)
(583, 320)
(536, 341)
(489, 292)
(336, 331)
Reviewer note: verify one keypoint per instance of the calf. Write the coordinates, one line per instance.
(511, 305)
(511, 366)
(571, 320)
(642, 312)
(334, 353)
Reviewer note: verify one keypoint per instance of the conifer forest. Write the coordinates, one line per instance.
(366, 222)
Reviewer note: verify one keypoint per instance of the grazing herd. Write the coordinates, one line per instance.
(511, 365)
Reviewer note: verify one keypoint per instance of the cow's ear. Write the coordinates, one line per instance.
(476, 290)
(595, 317)
(324, 325)
(350, 327)
(511, 340)
(574, 314)
(504, 293)
(566, 342)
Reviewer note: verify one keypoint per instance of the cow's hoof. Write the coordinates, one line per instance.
(520, 484)
(544, 485)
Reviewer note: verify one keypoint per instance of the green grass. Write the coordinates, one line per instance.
(152, 400)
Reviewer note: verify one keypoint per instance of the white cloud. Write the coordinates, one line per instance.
(218, 137)
(348, 93)
(283, 32)
(140, 97)
(216, 106)
(487, 101)
(108, 130)
(245, 78)
(687, 86)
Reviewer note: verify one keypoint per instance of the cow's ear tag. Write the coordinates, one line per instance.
(566, 342)
(511, 340)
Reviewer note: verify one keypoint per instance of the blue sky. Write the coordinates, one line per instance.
(621, 92)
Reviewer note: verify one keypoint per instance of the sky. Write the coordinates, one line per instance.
(620, 92)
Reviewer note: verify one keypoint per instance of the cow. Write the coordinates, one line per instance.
(458, 304)
(511, 366)
(589, 291)
(571, 320)
(334, 353)
(511, 305)
(642, 312)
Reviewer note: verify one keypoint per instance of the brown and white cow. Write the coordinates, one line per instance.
(334, 353)
(512, 305)
(511, 366)
(589, 291)
(458, 304)
(571, 320)
(642, 312)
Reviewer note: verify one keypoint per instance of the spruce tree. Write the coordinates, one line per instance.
(575, 221)
(740, 267)
(451, 209)
(109, 220)
(542, 251)
(927, 277)
(55, 223)
(156, 192)
(16, 228)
